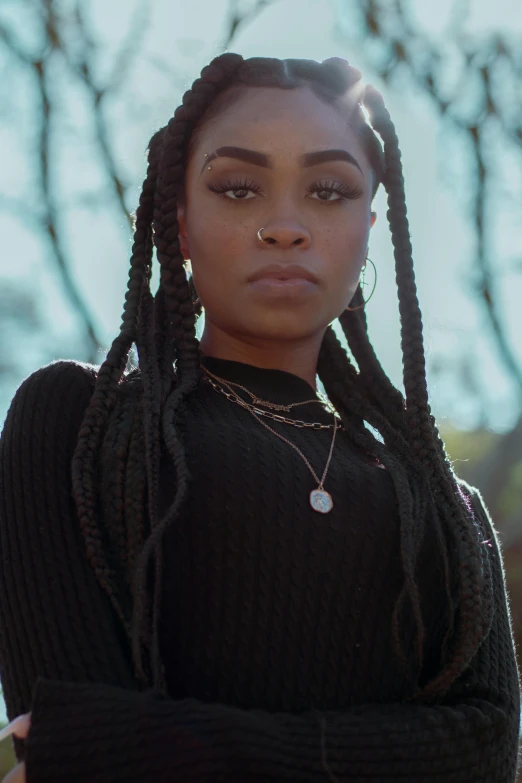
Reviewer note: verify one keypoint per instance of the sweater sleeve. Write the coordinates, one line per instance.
(62, 658)
(63, 654)
(470, 737)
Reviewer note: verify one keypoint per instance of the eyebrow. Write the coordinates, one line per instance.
(260, 159)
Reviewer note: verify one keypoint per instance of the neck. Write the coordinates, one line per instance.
(295, 356)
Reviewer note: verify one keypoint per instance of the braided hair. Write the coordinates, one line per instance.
(115, 467)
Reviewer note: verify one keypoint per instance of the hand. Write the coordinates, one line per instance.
(17, 774)
(20, 728)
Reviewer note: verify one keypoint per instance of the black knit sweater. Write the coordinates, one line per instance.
(276, 619)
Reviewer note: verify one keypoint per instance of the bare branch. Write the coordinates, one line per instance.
(130, 48)
(82, 67)
(238, 19)
(390, 24)
(9, 41)
(50, 216)
(47, 217)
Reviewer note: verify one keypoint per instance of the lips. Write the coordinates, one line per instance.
(278, 272)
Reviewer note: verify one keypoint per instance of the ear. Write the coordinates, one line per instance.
(183, 238)
(373, 219)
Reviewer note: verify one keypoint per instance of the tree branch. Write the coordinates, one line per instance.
(238, 20)
(389, 23)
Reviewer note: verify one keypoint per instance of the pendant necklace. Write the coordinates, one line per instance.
(320, 499)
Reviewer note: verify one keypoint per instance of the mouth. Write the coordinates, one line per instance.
(284, 284)
(283, 274)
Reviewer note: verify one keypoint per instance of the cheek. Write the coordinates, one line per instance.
(213, 235)
(344, 250)
(218, 248)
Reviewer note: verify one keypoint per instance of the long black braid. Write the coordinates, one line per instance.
(117, 458)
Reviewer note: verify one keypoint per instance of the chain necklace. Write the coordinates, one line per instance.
(257, 401)
(320, 499)
(233, 397)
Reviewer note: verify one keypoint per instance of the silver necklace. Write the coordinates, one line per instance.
(233, 397)
(320, 499)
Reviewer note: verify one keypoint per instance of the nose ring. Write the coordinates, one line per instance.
(259, 235)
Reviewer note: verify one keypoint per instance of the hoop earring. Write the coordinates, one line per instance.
(192, 287)
(352, 309)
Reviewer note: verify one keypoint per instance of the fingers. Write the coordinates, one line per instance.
(17, 774)
(19, 727)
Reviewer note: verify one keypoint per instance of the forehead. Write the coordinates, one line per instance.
(280, 123)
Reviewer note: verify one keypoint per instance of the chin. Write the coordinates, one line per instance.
(279, 327)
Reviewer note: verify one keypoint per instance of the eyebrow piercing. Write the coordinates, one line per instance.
(209, 168)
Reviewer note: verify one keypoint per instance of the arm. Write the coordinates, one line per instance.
(63, 654)
(471, 737)
(90, 723)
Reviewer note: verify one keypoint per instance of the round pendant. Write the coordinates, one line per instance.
(321, 501)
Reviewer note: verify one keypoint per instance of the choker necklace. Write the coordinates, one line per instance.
(257, 401)
(235, 398)
(320, 499)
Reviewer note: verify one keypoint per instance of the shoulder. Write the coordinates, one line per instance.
(60, 374)
(51, 399)
(477, 507)
(488, 535)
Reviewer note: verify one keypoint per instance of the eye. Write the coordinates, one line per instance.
(326, 189)
(239, 188)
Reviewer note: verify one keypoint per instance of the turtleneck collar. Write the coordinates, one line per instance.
(273, 385)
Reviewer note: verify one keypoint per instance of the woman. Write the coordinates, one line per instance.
(210, 570)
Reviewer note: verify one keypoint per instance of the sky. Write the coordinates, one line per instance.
(188, 35)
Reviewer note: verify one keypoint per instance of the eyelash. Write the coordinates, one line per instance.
(345, 191)
(233, 184)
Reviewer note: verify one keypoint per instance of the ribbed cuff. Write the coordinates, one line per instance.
(93, 732)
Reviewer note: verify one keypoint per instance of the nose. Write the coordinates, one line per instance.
(285, 234)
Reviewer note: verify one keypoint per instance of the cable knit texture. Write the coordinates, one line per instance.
(275, 623)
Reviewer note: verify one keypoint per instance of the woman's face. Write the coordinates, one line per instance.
(315, 212)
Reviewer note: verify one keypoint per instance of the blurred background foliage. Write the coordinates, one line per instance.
(86, 83)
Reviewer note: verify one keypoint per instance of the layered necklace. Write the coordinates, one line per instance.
(320, 499)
